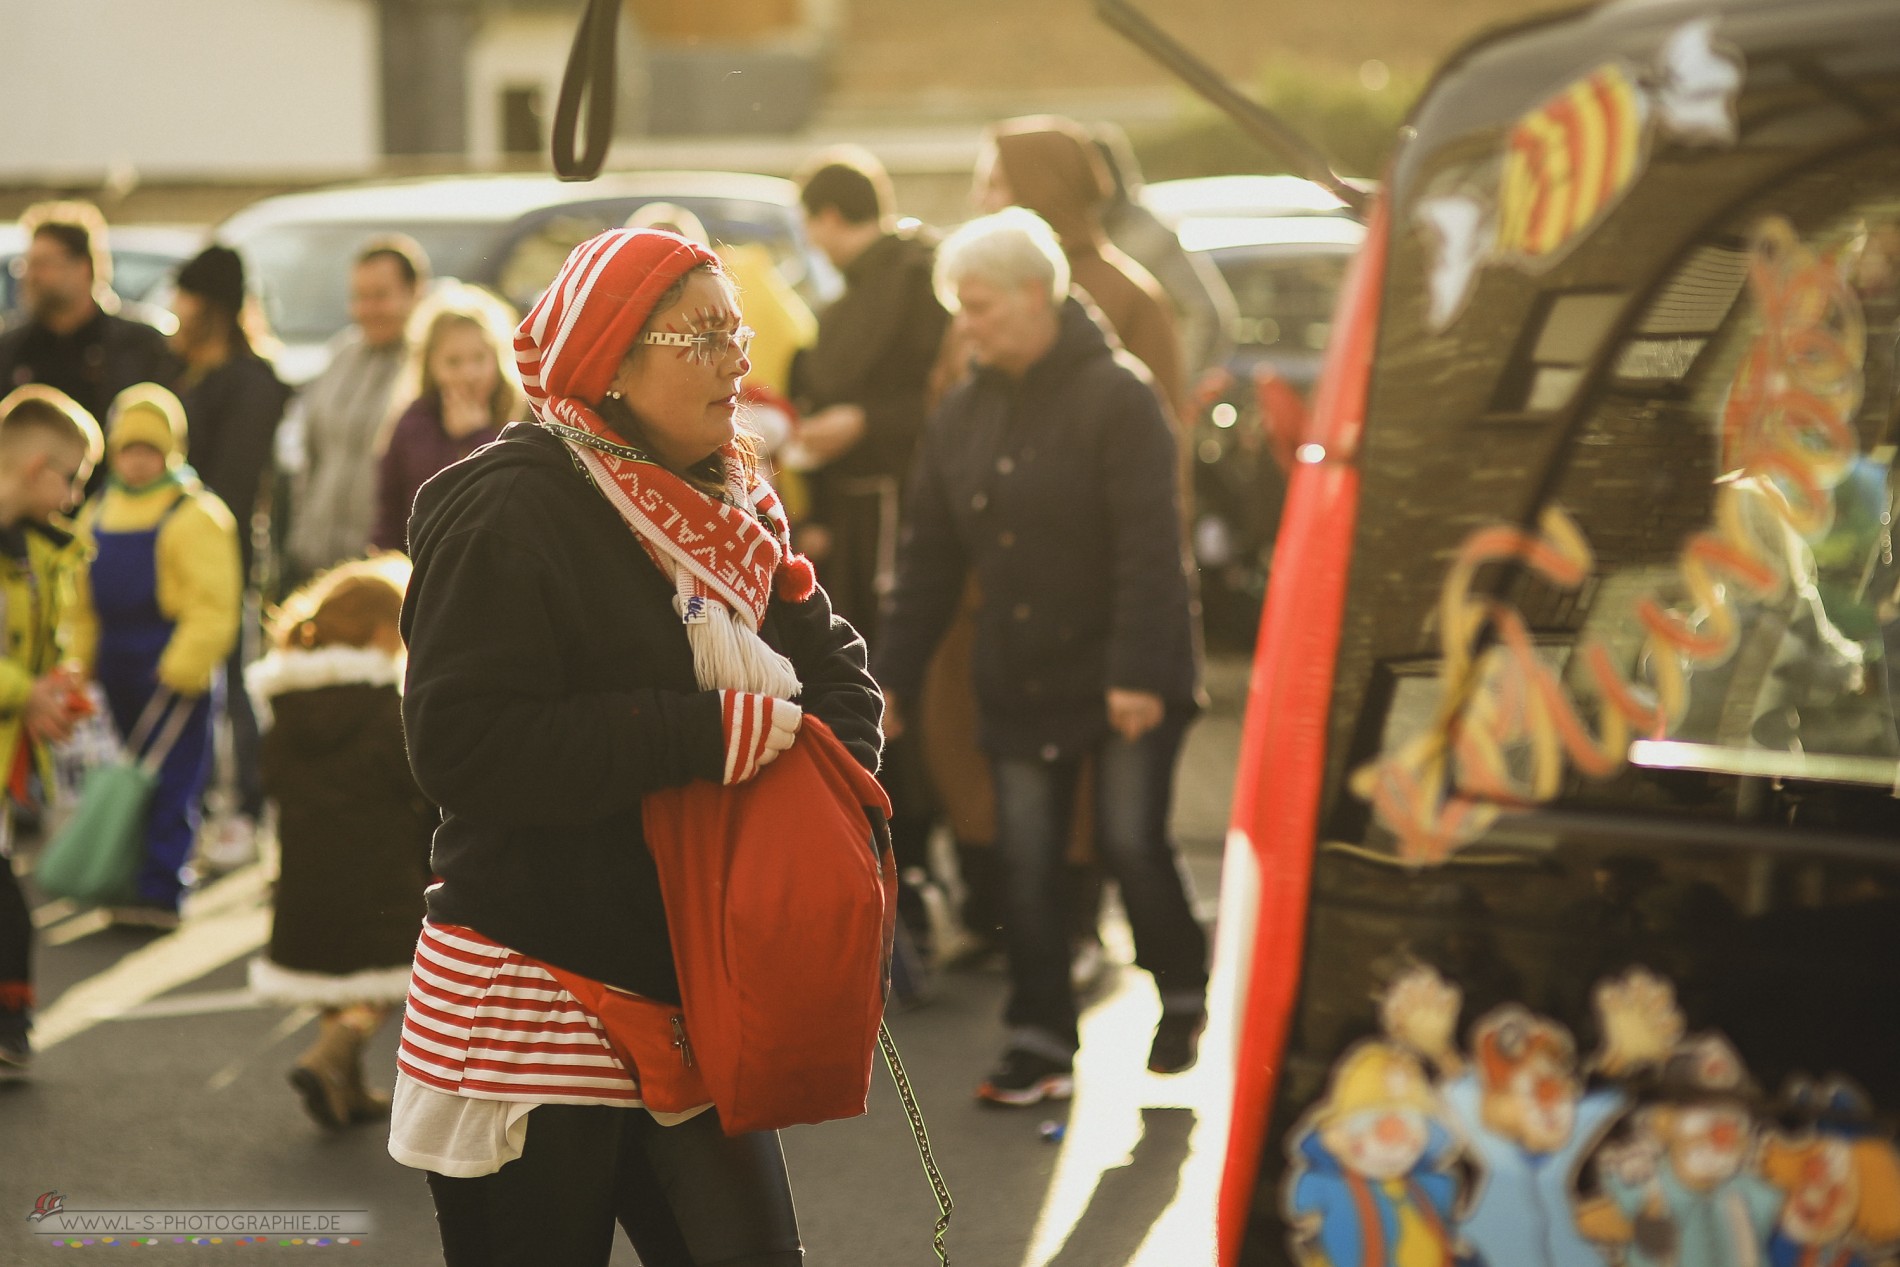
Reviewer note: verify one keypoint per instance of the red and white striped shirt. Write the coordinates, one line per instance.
(486, 1022)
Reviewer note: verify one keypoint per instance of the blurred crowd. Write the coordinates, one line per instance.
(980, 446)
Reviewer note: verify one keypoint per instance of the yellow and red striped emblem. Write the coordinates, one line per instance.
(1568, 161)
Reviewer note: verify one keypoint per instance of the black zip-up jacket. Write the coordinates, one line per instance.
(550, 686)
(877, 345)
(92, 365)
(232, 415)
(1058, 491)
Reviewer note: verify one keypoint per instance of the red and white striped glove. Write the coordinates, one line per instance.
(758, 728)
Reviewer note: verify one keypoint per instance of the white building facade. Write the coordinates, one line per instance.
(110, 91)
(98, 89)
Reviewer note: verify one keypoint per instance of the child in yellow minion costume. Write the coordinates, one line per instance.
(157, 615)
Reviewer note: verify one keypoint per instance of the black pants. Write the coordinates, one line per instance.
(16, 954)
(686, 1195)
(247, 783)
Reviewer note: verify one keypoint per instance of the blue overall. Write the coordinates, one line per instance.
(133, 634)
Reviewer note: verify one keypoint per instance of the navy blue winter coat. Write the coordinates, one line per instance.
(1058, 491)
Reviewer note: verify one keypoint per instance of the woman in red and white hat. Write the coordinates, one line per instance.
(605, 604)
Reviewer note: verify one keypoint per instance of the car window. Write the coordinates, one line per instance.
(538, 246)
(1709, 605)
(303, 270)
(136, 274)
(1285, 301)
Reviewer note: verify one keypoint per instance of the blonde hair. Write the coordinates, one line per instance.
(449, 306)
(674, 219)
(348, 606)
(36, 409)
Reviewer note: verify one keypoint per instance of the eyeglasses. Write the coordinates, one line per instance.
(712, 345)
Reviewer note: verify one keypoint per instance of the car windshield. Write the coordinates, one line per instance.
(1711, 601)
(303, 276)
(136, 274)
(1285, 300)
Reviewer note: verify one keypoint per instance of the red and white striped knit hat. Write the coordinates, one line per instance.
(573, 340)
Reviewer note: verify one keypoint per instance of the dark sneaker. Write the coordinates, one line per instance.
(1177, 1042)
(16, 1060)
(1027, 1077)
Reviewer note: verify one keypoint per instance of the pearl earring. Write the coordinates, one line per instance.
(613, 395)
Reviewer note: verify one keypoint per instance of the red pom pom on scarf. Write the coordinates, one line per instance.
(796, 578)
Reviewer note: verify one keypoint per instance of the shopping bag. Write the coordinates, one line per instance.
(94, 742)
(94, 858)
(780, 900)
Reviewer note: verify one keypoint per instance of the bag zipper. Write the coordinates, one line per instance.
(679, 1041)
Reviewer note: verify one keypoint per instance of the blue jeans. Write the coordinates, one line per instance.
(1134, 789)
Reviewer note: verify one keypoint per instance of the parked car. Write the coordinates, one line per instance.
(1282, 244)
(508, 233)
(144, 258)
(1563, 876)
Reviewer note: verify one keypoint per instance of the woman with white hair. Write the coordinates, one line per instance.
(1048, 474)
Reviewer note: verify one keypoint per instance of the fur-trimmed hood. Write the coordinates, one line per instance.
(283, 672)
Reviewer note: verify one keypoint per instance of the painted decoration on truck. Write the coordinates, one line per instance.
(1507, 730)
(1657, 1151)
(1568, 162)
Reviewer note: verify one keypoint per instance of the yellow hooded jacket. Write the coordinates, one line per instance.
(36, 599)
(200, 578)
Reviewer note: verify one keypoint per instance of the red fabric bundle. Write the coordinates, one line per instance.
(781, 896)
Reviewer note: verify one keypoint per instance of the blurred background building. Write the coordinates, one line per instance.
(185, 109)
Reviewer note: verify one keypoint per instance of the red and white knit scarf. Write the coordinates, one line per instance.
(727, 557)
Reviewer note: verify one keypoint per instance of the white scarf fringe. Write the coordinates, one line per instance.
(728, 654)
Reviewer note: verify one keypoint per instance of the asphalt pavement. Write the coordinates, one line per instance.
(159, 1086)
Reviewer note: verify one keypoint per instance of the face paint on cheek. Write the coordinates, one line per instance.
(689, 351)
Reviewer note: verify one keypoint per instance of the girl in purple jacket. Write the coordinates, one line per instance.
(464, 368)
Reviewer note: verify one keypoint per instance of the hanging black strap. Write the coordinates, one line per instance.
(589, 76)
(915, 1116)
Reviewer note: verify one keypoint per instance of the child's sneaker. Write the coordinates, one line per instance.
(232, 843)
(1023, 1078)
(16, 1059)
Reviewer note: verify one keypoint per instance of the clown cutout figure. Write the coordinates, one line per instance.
(1369, 1188)
(1682, 1180)
(1522, 1107)
(1841, 1178)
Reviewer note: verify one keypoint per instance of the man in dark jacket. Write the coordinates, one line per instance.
(1048, 474)
(862, 387)
(69, 339)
